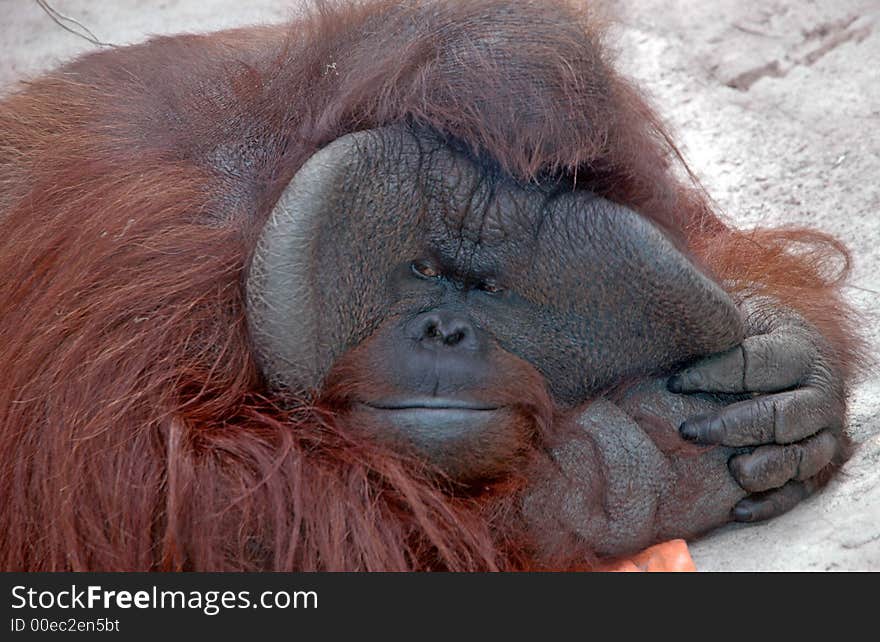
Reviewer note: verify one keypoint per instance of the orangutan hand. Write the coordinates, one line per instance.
(794, 418)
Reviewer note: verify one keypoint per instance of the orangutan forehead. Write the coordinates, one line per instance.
(449, 198)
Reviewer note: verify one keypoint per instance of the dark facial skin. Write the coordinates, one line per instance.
(543, 270)
(461, 317)
(464, 268)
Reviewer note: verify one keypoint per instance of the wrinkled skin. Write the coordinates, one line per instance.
(795, 419)
(649, 490)
(465, 276)
(650, 480)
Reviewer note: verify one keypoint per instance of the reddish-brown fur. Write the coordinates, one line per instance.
(134, 430)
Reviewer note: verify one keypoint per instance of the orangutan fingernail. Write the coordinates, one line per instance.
(689, 431)
(742, 514)
(674, 383)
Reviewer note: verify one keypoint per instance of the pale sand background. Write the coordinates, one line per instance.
(776, 105)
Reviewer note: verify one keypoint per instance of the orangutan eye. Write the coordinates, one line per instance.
(425, 270)
(491, 288)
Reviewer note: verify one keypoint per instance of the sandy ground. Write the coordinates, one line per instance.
(776, 105)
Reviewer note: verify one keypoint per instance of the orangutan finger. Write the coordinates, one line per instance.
(782, 418)
(762, 363)
(757, 508)
(772, 466)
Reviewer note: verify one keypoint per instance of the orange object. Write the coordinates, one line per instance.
(669, 557)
